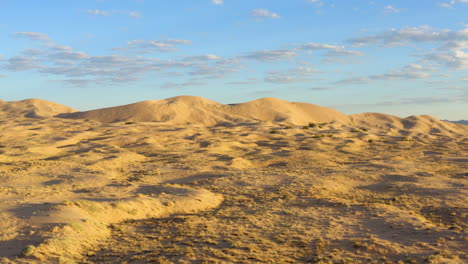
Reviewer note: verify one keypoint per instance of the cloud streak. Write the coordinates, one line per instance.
(264, 13)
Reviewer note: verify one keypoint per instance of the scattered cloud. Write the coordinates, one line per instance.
(218, 2)
(208, 57)
(449, 51)
(452, 3)
(298, 74)
(22, 63)
(324, 88)
(34, 36)
(391, 9)
(134, 14)
(334, 54)
(171, 85)
(409, 72)
(270, 55)
(404, 36)
(152, 46)
(317, 3)
(318, 46)
(457, 60)
(263, 13)
(97, 12)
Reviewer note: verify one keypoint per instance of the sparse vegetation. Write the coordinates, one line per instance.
(27, 251)
(274, 132)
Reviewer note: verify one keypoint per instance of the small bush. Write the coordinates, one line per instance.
(407, 139)
(288, 127)
(27, 251)
(312, 125)
(274, 132)
(355, 130)
(305, 127)
(130, 123)
(370, 140)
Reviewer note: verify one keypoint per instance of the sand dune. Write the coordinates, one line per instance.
(33, 108)
(163, 182)
(423, 124)
(197, 110)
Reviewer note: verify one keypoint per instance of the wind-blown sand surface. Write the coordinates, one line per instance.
(188, 180)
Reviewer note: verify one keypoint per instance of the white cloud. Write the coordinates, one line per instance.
(218, 2)
(298, 74)
(79, 68)
(391, 9)
(134, 14)
(97, 12)
(264, 13)
(35, 36)
(409, 72)
(271, 55)
(452, 3)
(316, 2)
(22, 63)
(334, 54)
(317, 46)
(457, 60)
(449, 52)
(152, 46)
(208, 57)
(403, 36)
(171, 85)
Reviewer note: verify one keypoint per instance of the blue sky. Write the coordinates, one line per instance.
(396, 57)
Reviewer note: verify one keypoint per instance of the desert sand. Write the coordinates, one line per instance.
(189, 180)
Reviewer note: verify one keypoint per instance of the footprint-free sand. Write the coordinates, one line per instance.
(189, 180)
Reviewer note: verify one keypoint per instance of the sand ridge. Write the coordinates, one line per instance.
(197, 110)
(33, 108)
(258, 191)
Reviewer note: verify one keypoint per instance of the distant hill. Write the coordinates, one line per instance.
(33, 108)
(198, 110)
(182, 110)
(463, 122)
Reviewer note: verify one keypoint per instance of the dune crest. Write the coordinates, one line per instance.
(33, 108)
(423, 124)
(197, 110)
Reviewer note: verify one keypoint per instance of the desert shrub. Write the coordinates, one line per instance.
(288, 127)
(312, 125)
(274, 132)
(305, 127)
(27, 251)
(355, 130)
(130, 123)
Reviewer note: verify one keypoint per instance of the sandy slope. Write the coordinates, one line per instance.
(33, 108)
(369, 188)
(197, 110)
